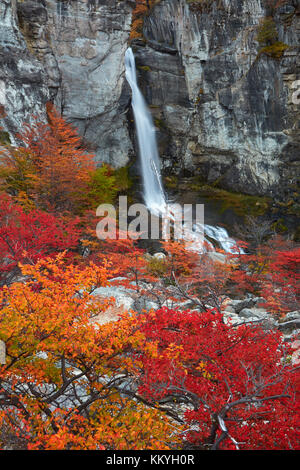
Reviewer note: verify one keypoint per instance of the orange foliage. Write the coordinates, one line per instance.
(142, 8)
(65, 367)
(53, 168)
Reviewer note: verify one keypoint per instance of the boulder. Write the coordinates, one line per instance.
(258, 313)
(159, 256)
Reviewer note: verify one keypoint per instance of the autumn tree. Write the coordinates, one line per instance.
(69, 377)
(142, 8)
(280, 286)
(53, 169)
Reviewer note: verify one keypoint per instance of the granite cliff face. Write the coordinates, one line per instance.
(224, 109)
(222, 104)
(23, 88)
(70, 52)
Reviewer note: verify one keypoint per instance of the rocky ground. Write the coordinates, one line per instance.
(249, 310)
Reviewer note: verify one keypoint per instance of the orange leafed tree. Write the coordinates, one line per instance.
(142, 8)
(67, 369)
(53, 169)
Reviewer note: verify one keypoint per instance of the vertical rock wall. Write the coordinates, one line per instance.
(223, 109)
(76, 50)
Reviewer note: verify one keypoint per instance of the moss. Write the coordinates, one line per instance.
(279, 226)
(146, 68)
(205, 6)
(159, 123)
(197, 4)
(4, 138)
(123, 179)
(275, 51)
(267, 32)
(171, 182)
(292, 206)
(241, 204)
(297, 234)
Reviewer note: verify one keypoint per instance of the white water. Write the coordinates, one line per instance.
(153, 191)
(154, 196)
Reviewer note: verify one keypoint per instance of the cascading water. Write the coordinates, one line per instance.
(153, 191)
(154, 196)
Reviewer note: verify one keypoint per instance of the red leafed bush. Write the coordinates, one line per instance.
(28, 237)
(237, 385)
(281, 284)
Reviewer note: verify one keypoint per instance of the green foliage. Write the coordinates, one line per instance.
(275, 51)
(17, 177)
(122, 178)
(157, 267)
(102, 187)
(145, 68)
(4, 138)
(267, 32)
(159, 123)
(171, 182)
(241, 204)
(267, 36)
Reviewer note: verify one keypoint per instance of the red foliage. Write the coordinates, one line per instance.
(237, 384)
(281, 284)
(28, 237)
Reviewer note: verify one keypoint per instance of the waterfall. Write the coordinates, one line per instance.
(154, 196)
(153, 191)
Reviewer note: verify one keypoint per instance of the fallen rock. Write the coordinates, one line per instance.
(124, 297)
(239, 305)
(159, 256)
(260, 313)
(292, 316)
(143, 303)
(289, 326)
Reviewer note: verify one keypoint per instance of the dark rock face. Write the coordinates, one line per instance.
(23, 89)
(226, 112)
(223, 111)
(76, 50)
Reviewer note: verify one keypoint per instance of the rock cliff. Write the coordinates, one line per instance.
(220, 76)
(70, 52)
(223, 100)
